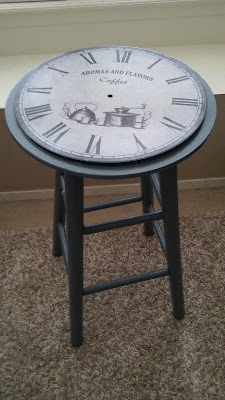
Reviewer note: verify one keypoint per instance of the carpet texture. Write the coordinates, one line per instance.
(133, 348)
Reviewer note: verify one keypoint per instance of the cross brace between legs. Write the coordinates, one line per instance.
(125, 281)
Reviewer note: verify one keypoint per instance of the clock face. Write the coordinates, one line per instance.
(110, 104)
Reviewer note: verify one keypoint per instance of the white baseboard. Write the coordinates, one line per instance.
(104, 190)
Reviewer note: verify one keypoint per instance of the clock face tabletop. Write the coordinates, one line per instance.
(110, 104)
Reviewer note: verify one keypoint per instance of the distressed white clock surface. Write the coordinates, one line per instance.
(110, 104)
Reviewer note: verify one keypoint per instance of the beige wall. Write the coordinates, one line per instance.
(18, 171)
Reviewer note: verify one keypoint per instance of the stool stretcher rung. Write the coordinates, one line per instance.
(113, 203)
(125, 281)
(63, 242)
(119, 223)
(156, 185)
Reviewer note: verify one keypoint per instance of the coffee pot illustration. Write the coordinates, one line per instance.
(83, 115)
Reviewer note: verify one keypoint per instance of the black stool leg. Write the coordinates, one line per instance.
(147, 201)
(74, 223)
(168, 183)
(59, 215)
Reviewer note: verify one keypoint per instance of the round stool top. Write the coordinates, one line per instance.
(111, 112)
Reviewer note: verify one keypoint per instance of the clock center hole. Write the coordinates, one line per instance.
(110, 95)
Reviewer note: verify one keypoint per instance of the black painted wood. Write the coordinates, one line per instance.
(113, 203)
(147, 202)
(122, 222)
(168, 183)
(74, 224)
(155, 183)
(159, 233)
(63, 241)
(125, 281)
(59, 215)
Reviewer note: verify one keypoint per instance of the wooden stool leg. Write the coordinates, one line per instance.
(147, 201)
(168, 183)
(59, 215)
(74, 222)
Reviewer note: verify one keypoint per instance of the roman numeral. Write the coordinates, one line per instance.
(94, 145)
(139, 144)
(156, 62)
(56, 132)
(58, 70)
(173, 124)
(184, 102)
(38, 111)
(46, 90)
(90, 60)
(123, 56)
(178, 79)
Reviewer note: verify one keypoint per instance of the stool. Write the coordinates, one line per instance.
(69, 207)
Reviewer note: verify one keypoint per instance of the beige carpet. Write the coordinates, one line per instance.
(133, 348)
